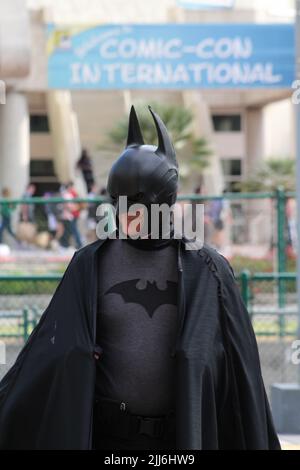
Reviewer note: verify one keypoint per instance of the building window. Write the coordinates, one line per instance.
(232, 167)
(44, 168)
(232, 171)
(227, 122)
(42, 174)
(39, 123)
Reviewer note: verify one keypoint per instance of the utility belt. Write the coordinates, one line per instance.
(112, 418)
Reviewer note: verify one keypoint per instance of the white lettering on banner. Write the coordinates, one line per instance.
(205, 49)
(108, 49)
(76, 73)
(209, 48)
(145, 74)
(172, 49)
(237, 73)
(162, 75)
(243, 48)
(157, 73)
(82, 73)
(181, 74)
(224, 48)
(128, 73)
(111, 70)
(147, 49)
(127, 49)
(92, 42)
(130, 48)
(91, 74)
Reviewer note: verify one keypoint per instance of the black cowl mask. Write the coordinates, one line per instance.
(146, 174)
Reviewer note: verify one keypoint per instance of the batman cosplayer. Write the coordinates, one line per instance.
(144, 345)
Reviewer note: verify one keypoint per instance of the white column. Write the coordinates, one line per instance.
(202, 127)
(14, 39)
(254, 139)
(259, 213)
(66, 138)
(14, 143)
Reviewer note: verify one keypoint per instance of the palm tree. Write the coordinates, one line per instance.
(274, 173)
(201, 153)
(178, 121)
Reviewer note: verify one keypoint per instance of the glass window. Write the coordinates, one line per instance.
(232, 167)
(42, 174)
(41, 168)
(232, 171)
(227, 122)
(39, 123)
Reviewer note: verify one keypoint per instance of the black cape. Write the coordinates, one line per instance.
(46, 398)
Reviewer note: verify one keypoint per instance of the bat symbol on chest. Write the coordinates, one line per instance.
(151, 297)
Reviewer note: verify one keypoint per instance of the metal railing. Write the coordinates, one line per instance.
(27, 297)
(244, 214)
(23, 299)
(262, 297)
(259, 211)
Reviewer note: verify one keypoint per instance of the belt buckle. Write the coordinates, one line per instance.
(150, 426)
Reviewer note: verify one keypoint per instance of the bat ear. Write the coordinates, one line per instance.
(165, 146)
(135, 136)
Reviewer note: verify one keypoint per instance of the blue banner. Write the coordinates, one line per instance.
(171, 56)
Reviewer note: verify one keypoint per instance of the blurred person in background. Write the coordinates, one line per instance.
(69, 217)
(52, 214)
(84, 164)
(220, 213)
(208, 226)
(27, 210)
(6, 209)
(91, 214)
(220, 217)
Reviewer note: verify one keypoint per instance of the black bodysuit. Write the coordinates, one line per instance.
(137, 314)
